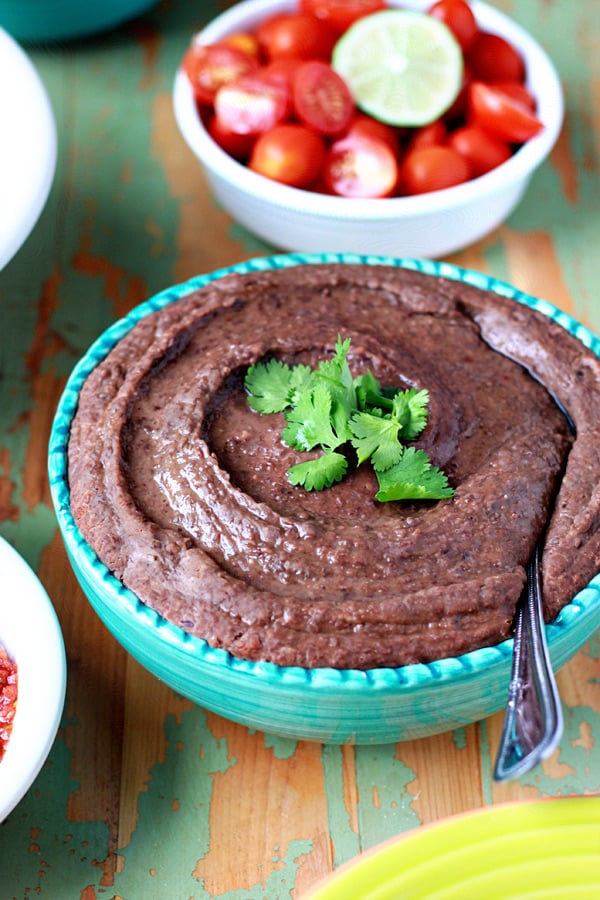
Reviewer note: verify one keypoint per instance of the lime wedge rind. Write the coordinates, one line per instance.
(402, 67)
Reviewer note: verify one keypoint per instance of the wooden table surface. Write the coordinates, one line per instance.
(144, 795)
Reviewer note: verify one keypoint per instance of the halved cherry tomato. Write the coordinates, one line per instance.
(282, 70)
(493, 58)
(321, 98)
(360, 166)
(517, 91)
(459, 17)
(210, 66)
(277, 81)
(362, 124)
(433, 135)
(341, 14)
(295, 34)
(236, 145)
(251, 104)
(459, 107)
(289, 153)
(482, 150)
(433, 169)
(495, 111)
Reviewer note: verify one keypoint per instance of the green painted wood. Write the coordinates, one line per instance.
(109, 238)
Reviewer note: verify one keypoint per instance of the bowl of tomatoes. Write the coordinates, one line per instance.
(320, 133)
(33, 674)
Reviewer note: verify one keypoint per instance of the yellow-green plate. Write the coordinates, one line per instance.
(537, 850)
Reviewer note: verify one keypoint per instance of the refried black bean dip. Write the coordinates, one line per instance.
(181, 488)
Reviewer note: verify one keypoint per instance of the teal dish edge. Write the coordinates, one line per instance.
(40, 21)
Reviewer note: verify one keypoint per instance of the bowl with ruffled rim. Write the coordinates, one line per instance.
(322, 704)
(33, 21)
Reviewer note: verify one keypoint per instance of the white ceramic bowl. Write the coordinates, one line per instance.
(31, 635)
(429, 225)
(27, 147)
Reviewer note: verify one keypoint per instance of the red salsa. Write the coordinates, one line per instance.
(8, 697)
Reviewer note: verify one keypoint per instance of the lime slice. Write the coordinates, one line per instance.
(402, 67)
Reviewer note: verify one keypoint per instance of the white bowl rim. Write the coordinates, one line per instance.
(31, 635)
(519, 166)
(28, 151)
(384, 679)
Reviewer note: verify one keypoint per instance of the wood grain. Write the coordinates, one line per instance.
(144, 794)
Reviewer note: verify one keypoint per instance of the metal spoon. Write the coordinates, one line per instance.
(533, 722)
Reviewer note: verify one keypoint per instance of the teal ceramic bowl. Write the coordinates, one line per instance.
(323, 704)
(32, 21)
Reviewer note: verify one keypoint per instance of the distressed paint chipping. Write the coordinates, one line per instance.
(342, 801)
(126, 217)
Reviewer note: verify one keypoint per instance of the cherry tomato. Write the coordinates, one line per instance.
(282, 70)
(236, 145)
(341, 14)
(433, 135)
(321, 98)
(243, 40)
(517, 91)
(459, 18)
(270, 98)
(495, 111)
(289, 153)
(251, 105)
(482, 150)
(295, 34)
(360, 166)
(459, 107)
(210, 66)
(433, 169)
(492, 58)
(364, 125)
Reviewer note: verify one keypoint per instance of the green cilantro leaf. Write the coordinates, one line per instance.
(376, 436)
(410, 410)
(272, 385)
(269, 385)
(325, 407)
(319, 473)
(340, 419)
(309, 422)
(413, 478)
(369, 392)
(302, 379)
(337, 370)
(335, 373)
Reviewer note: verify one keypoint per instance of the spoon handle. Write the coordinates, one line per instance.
(533, 722)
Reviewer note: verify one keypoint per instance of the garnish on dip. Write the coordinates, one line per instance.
(326, 407)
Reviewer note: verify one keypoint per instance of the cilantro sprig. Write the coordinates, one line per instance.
(327, 408)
